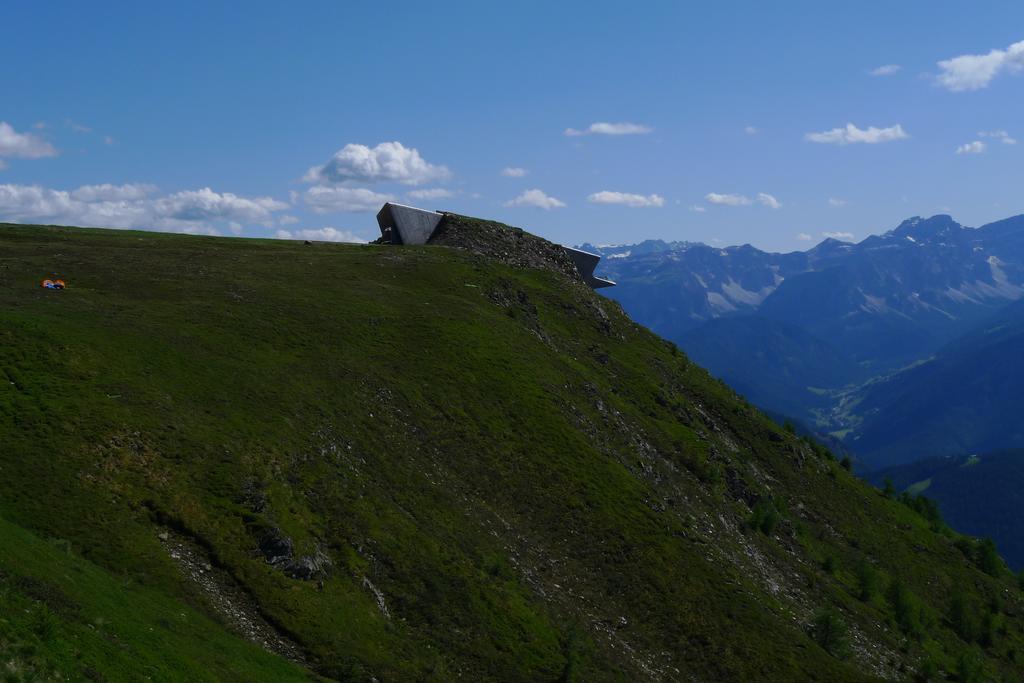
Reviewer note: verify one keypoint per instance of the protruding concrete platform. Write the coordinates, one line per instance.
(585, 263)
(400, 224)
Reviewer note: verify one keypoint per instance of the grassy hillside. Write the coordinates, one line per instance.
(63, 616)
(427, 464)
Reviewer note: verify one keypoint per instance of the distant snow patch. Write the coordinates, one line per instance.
(719, 302)
(736, 293)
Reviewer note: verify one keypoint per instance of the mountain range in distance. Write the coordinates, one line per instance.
(901, 345)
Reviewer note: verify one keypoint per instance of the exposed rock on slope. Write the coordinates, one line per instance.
(508, 245)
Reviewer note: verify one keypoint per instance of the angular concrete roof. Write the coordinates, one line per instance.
(407, 224)
(585, 263)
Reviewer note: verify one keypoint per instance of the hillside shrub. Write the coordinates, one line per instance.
(925, 507)
(927, 671)
(830, 631)
(867, 581)
(968, 669)
(764, 517)
(990, 624)
(906, 609)
(987, 557)
(961, 619)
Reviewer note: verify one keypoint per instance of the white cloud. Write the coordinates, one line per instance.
(833, 201)
(321, 235)
(751, 130)
(697, 208)
(1000, 135)
(17, 145)
(130, 206)
(626, 199)
(976, 147)
(388, 161)
(107, 140)
(536, 198)
(727, 199)
(741, 200)
(804, 237)
(78, 127)
(112, 193)
(601, 128)
(974, 72)
(513, 172)
(851, 134)
(886, 70)
(34, 204)
(842, 236)
(433, 193)
(205, 205)
(344, 199)
(287, 220)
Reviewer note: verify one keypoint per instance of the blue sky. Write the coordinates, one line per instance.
(724, 124)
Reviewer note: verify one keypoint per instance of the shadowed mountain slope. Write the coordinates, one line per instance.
(967, 399)
(977, 494)
(771, 363)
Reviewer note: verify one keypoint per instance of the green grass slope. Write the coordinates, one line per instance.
(61, 616)
(426, 463)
